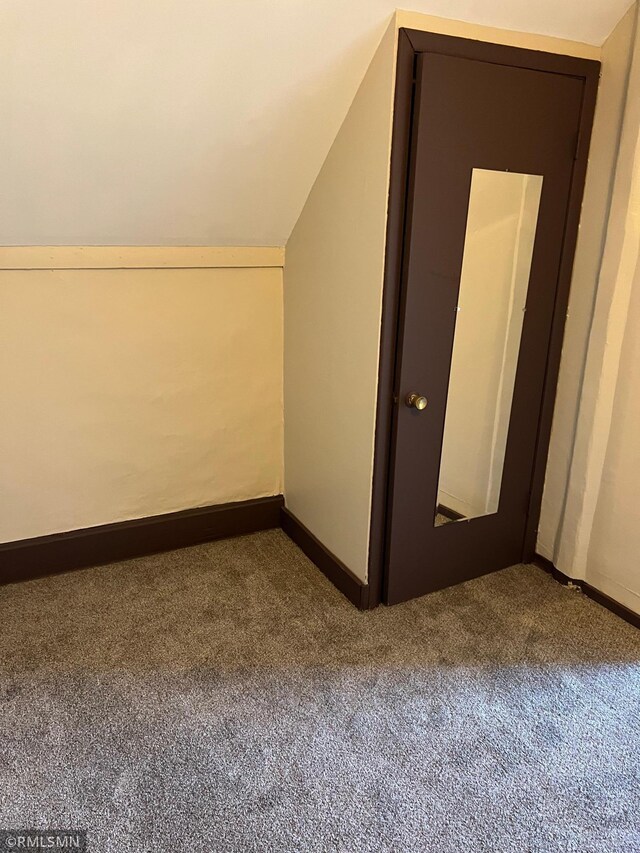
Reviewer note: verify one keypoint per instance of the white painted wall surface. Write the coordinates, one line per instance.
(616, 58)
(132, 392)
(205, 123)
(332, 304)
(599, 539)
(613, 560)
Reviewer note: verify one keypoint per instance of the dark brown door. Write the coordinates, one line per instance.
(492, 157)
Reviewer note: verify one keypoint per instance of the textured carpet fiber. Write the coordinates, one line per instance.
(227, 698)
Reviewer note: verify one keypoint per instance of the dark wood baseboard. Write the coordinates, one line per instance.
(452, 514)
(108, 543)
(595, 594)
(330, 566)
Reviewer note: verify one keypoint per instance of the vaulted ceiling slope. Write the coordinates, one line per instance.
(196, 122)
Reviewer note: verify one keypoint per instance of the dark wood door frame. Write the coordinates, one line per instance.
(410, 44)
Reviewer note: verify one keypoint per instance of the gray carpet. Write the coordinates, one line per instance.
(227, 698)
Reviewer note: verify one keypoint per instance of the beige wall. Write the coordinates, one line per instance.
(201, 122)
(599, 538)
(332, 303)
(131, 392)
(613, 559)
(616, 54)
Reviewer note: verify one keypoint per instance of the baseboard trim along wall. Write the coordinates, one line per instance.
(330, 566)
(28, 559)
(108, 543)
(592, 593)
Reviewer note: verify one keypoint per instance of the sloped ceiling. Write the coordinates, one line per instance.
(196, 122)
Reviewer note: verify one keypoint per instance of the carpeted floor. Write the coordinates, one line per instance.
(227, 698)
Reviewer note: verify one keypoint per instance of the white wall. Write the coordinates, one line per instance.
(132, 392)
(616, 57)
(613, 558)
(332, 304)
(599, 537)
(204, 123)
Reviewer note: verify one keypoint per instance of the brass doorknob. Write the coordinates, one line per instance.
(415, 401)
